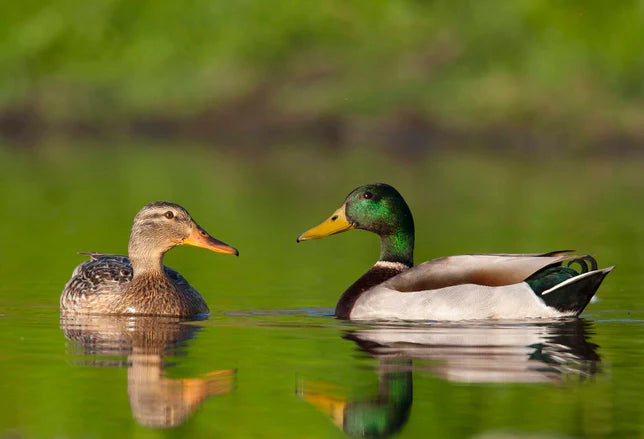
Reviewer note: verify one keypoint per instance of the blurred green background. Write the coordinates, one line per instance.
(507, 126)
(403, 75)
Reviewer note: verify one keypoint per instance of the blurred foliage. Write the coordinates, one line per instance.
(573, 68)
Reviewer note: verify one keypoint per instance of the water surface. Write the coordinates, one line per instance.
(271, 361)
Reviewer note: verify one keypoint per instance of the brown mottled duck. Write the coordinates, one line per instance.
(139, 284)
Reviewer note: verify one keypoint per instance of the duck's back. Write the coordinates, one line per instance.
(96, 282)
(99, 286)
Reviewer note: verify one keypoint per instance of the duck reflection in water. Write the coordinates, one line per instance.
(379, 416)
(472, 353)
(155, 400)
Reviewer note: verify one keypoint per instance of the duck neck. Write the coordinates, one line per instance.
(145, 260)
(398, 247)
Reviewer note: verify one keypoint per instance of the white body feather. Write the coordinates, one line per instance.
(458, 302)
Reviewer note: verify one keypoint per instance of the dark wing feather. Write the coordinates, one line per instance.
(102, 273)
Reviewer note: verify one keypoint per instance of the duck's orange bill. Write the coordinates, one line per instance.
(336, 223)
(200, 238)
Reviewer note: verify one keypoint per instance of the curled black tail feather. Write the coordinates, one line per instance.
(586, 263)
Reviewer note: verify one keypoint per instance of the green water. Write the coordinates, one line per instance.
(270, 361)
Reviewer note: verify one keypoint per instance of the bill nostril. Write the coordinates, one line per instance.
(334, 217)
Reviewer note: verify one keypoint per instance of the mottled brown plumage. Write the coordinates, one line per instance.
(140, 284)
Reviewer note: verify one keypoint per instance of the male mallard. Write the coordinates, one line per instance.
(487, 286)
(139, 283)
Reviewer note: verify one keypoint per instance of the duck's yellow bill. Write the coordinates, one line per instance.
(335, 224)
(331, 405)
(200, 238)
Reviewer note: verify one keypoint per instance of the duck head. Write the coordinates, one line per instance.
(162, 225)
(377, 208)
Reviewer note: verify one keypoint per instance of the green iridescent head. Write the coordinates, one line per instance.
(380, 209)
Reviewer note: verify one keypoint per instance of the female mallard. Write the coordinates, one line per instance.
(493, 286)
(139, 283)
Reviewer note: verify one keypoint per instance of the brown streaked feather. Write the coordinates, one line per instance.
(103, 285)
(484, 269)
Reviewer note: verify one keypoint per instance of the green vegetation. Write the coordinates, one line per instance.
(525, 74)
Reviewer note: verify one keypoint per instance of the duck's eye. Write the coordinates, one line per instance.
(169, 214)
(367, 195)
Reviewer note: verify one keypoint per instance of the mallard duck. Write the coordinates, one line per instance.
(480, 286)
(139, 283)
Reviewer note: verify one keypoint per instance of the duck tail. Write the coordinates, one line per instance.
(586, 263)
(572, 295)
